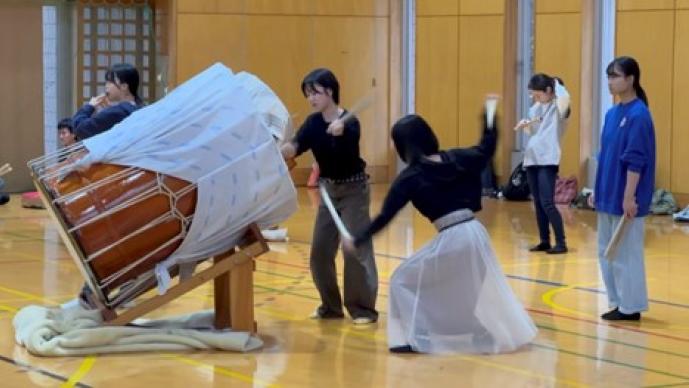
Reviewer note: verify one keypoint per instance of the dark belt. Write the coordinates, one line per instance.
(358, 177)
(456, 223)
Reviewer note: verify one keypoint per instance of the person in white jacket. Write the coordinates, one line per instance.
(546, 124)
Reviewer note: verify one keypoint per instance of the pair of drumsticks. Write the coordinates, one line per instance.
(5, 169)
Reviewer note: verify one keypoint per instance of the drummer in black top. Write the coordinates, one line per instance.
(334, 143)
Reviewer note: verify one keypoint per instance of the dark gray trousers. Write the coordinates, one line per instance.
(352, 202)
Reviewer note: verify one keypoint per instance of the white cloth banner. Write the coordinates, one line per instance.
(71, 332)
(216, 130)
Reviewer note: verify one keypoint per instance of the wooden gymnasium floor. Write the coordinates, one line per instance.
(563, 295)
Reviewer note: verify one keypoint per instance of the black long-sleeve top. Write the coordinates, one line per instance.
(337, 156)
(88, 123)
(437, 188)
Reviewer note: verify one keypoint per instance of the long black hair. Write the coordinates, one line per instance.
(629, 66)
(124, 73)
(414, 138)
(324, 78)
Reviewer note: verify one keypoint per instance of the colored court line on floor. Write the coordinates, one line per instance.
(221, 371)
(527, 279)
(43, 372)
(83, 369)
(612, 341)
(597, 358)
(667, 385)
(548, 298)
(614, 325)
(619, 363)
(26, 295)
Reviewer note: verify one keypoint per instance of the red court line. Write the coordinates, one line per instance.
(622, 327)
(537, 311)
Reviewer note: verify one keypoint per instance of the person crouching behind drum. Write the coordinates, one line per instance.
(119, 101)
(65, 132)
(451, 295)
(335, 145)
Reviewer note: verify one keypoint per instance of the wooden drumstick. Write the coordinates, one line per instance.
(5, 169)
(333, 213)
(616, 238)
(361, 104)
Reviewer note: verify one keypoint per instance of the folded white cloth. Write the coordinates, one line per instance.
(75, 331)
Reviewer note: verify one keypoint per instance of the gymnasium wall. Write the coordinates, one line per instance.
(459, 59)
(557, 52)
(281, 41)
(656, 33)
(21, 75)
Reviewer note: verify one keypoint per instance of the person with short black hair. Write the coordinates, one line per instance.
(65, 132)
(335, 145)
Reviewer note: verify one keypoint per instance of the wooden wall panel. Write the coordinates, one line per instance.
(629, 5)
(287, 53)
(280, 7)
(682, 4)
(359, 60)
(352, 7)
(281, 41)
(205, 39)
(480, 71)
(558, 53)
(558, 6)
(481, 7)
(437, 75)
(654, 52)
(680, 103)
(437, 7)
(21, 74)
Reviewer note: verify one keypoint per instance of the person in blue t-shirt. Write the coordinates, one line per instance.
(624, 187)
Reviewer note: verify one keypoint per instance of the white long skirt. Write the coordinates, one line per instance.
(452, 296)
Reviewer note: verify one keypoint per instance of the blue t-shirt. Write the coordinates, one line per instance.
(627, 144)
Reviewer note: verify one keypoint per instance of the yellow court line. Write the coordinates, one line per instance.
(26, 295)
(221, 371)
(83, 369)
(537, 263)
(379, 338)
(521, 371)
(10, 309)
(549, 296)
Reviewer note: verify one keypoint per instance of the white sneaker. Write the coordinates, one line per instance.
(362, 321)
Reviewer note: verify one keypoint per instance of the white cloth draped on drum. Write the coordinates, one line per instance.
(452, 296)
(216, 130)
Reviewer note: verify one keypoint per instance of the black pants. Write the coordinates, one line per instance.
(542, 184)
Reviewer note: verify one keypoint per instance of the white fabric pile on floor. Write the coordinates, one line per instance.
(72, 332)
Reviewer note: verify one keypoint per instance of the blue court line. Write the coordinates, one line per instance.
(538, 281)
(43, 372)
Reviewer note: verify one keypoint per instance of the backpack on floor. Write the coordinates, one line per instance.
(517, 188)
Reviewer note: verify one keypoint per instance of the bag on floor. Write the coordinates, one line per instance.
(517, 188)
(565, 190)
(663, 202)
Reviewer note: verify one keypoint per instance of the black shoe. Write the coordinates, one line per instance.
(616, 315)
(402, 349)
(542, 247)
(557, 250)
